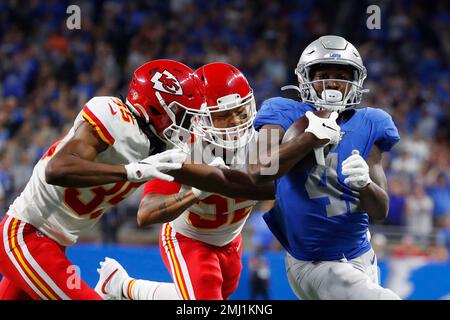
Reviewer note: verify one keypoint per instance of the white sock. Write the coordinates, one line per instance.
(149, 290)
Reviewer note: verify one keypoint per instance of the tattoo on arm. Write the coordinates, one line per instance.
(179, 196)
(164, 203)
(162, 207)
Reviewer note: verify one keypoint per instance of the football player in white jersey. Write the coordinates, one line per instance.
(112, 148)
(200, 239)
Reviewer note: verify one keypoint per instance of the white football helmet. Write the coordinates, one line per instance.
(330, 50)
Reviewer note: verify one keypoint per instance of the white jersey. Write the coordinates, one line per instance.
(62, 213)
(216, 220)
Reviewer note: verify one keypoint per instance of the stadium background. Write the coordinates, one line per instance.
(47, 72)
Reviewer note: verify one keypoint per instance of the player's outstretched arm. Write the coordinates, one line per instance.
(369, 179)
(254, 185)
(228, 182)
(74, 164)
(287, 155)
(157, 208)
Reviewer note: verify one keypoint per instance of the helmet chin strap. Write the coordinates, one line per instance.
(233, 144)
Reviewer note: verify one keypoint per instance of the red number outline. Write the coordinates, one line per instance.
(117, 193)
(221, 215)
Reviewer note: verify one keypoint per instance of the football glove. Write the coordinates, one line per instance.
(324, 128)
(357, 170)
(155, 166)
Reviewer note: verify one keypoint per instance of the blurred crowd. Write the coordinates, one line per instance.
(49, 71)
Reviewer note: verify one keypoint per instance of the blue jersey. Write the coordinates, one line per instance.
(316, 215)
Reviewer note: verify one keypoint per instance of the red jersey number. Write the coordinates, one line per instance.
(116, 193)
(222, 213)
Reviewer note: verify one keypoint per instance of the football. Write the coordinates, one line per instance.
(298, 128)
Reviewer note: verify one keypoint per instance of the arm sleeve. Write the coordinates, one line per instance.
(387, 134)
(157, 186)
(273, 112)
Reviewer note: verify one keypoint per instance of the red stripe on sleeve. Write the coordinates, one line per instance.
(99, 124)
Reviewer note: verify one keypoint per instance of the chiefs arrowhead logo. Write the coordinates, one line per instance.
(166, 82)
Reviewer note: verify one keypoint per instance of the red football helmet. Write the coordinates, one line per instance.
(227, 92)
(166, 94)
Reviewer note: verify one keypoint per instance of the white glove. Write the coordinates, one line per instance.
(200, 194)
(324, 128)
(218, 163)
(357, 170)
(154, 166)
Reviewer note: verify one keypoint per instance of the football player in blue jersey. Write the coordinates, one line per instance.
(321, 215)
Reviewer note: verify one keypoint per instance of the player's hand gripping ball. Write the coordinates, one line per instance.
(302, 124)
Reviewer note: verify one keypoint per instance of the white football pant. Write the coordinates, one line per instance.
(356, 279)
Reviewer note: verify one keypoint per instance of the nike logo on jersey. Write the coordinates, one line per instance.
(372, 261)
(107, 280)
(112, 110)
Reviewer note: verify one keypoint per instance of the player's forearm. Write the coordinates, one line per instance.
(160, 209)
(374, 198)
(375, 201)
(288, 155)
(228, 182)
(74, 172)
